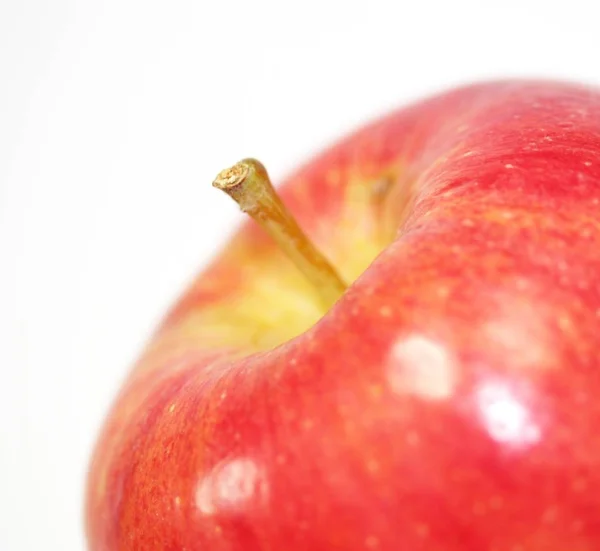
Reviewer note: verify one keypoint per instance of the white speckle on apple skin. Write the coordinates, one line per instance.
(230, 485)
(509, 166)
(505, 415)
(520, 330)
(421, 366)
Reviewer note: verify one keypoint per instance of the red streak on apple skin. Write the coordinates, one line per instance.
(448, 400)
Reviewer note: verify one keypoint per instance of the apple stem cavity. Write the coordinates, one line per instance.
(249, 185)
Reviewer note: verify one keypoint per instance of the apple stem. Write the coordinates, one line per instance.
(248, 184)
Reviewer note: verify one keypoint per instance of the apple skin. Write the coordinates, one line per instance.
(447, 402)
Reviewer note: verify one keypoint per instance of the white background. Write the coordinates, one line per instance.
(114, 117)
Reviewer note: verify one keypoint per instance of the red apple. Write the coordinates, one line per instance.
(447, 401)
